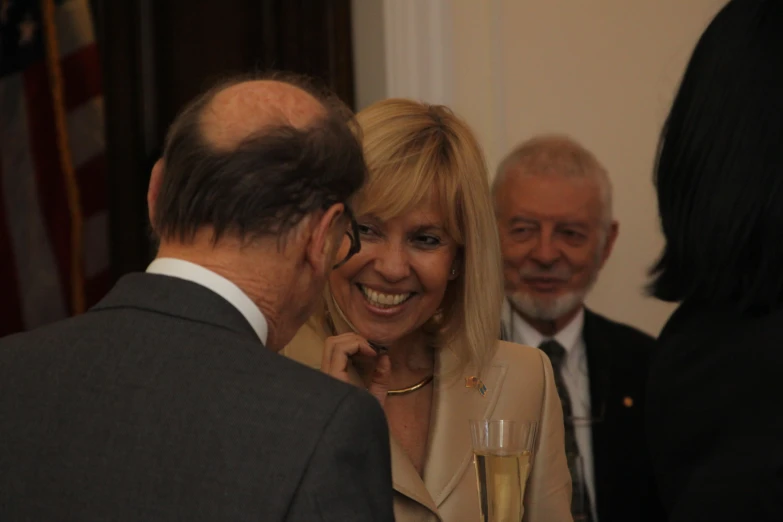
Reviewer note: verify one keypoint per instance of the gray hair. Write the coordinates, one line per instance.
(556, 155)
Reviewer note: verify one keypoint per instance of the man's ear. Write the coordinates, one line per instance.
(156, 179)
(611, 237)
(326, 236)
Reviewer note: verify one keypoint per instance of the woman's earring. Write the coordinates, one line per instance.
(453, 272)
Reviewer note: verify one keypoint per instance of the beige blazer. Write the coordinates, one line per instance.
(520, 386)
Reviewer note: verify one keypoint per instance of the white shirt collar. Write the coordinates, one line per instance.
(217, 283)
(568, 337)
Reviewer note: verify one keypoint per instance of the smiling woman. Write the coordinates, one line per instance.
(415, 315)
(397, 281)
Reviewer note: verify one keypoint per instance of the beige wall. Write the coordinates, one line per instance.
(603, 71)
(369, 58)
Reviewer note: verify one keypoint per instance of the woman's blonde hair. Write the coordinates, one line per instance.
(411, 148)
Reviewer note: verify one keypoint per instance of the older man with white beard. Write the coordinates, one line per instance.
(554, 209)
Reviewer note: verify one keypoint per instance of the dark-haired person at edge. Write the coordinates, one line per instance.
(167, 401)
(715, 393)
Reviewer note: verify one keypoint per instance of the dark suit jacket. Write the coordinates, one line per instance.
(161, 404)
(618, 361)
(715, 415)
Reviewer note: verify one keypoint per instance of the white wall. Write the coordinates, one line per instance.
(603, 71)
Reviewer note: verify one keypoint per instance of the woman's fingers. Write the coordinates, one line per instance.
(338, 351)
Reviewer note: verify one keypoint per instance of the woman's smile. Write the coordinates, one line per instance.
(386, 303)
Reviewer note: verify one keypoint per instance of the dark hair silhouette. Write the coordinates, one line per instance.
(719, 171)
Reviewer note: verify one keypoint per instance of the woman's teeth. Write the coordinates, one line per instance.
(383, 300)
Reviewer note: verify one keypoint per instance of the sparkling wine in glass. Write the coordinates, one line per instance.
(503, 455)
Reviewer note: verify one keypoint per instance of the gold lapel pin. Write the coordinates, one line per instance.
(628, 402)
(475, 382)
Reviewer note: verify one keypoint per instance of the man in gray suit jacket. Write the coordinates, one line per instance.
(167, 400)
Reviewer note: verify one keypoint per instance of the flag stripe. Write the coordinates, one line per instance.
(50, 180)
(74, 26)
(83, 99)
(38, 277)
(42, 221)
(81, 76)
(11, 314)
(85, 136)
(56, 90)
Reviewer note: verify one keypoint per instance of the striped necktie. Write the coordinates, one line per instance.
(557, 354)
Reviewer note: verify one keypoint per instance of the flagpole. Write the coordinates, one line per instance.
(66, 160)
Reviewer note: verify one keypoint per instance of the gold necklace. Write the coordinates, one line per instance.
(403, 391)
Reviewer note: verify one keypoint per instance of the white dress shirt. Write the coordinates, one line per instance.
(182, 269)
(575, 378)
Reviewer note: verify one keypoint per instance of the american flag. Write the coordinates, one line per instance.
(54, 258)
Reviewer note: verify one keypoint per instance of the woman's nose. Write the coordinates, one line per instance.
(393, 263)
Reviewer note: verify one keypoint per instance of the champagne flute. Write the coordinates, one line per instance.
(503, 454)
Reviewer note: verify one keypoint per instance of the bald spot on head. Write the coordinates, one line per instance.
(242, 110)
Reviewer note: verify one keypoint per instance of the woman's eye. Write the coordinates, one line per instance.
(365, 230)
(428, 240)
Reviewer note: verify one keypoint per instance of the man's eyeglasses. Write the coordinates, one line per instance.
(353, 235)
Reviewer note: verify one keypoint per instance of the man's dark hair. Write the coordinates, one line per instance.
(266, 184)
(719, 171)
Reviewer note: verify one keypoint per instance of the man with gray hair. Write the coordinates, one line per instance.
(554, 208)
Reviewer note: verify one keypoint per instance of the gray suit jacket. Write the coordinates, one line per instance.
(161, 404)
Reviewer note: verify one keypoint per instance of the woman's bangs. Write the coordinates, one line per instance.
(391, 192)
(398, 189)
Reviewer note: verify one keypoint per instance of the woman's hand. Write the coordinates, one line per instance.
(341, 349)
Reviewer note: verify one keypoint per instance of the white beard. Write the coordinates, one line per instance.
(547, 310)
(551, 309)
(557, 307)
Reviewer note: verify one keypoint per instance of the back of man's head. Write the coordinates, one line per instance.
(252, 157)
(253, 185)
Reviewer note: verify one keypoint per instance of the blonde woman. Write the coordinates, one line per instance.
(415, 315)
